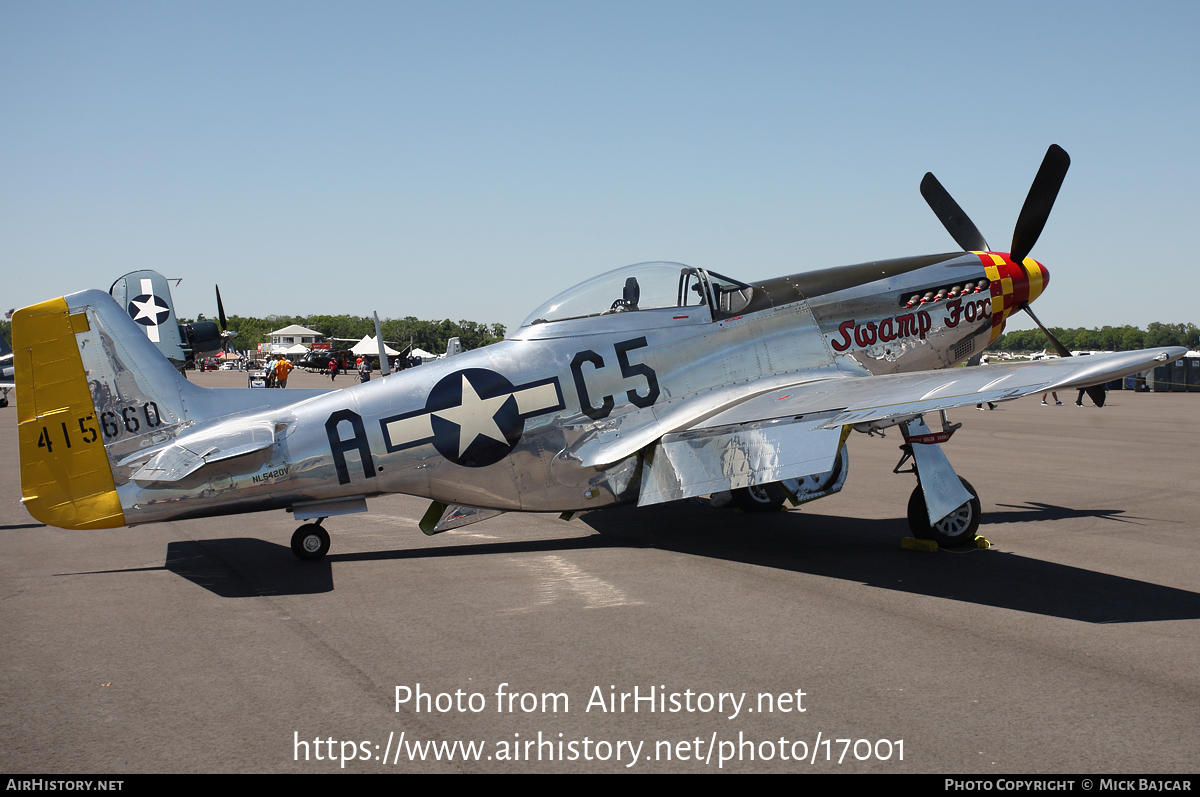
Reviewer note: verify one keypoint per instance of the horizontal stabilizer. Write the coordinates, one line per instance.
(191, 453)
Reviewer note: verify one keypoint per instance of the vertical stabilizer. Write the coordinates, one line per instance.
(146, 297)
(95, 394)
(66, 479)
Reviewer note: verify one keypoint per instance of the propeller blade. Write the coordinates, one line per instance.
(1040, 200)
(384, 367)
(221, 316)
(957, 223)
(1054, 342)
(1095, 392)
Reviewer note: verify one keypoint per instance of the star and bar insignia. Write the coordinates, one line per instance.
(473, 417)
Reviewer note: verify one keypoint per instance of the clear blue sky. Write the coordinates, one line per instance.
(469, 160)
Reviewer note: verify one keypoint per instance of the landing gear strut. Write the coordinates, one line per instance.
(944, 507)
(310, 542)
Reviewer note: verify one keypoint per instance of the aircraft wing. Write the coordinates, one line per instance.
(796, 430)
(878, 398)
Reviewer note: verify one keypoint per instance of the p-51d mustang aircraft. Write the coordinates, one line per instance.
(647, 384)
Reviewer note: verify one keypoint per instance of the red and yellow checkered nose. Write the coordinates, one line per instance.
(1012, 285)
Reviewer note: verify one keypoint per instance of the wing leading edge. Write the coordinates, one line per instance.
(896, 396)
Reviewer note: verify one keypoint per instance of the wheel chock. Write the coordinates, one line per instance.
(913, 544)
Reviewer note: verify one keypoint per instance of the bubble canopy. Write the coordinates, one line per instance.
(642, 286)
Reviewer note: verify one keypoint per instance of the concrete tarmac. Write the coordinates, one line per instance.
(1069, 647)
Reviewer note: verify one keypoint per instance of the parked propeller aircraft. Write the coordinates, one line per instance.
(647, 384)
(147, 298)
(7, 370)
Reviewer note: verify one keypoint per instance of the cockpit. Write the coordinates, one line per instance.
(642, 287)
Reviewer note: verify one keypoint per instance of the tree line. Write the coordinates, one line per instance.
(1124, 338)
(432, 336)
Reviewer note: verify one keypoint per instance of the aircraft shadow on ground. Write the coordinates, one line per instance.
(853, 549)
(242, 567)
(868, 551)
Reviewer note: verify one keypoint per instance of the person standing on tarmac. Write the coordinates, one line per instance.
(282, 369)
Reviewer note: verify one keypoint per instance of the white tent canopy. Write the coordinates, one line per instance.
(424, 355)
(368, 345)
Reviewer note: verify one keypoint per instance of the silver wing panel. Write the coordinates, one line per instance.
(707, 460)
(794, 431)
(856, 398)
(860, 399)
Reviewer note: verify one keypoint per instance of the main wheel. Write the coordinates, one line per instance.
(310, 542)
(759, 497)
(955, 530)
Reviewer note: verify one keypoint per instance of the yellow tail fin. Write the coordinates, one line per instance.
(66, 479)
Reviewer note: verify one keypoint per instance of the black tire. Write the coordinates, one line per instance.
(759, 498)
(310, 542)
(955, 530)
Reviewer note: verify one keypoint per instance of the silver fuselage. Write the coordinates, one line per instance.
(563, 386)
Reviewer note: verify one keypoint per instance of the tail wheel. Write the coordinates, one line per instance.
(953, 531)
(759, 498)
(310, 542)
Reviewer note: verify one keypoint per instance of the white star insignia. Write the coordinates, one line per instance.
(475, 416)
(148, 309)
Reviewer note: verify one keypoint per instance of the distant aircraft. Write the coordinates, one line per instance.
(644, 385)
(6, 371)
(146, 296)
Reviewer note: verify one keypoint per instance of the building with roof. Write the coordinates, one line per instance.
(290, 336)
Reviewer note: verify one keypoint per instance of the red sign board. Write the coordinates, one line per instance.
(321, 346)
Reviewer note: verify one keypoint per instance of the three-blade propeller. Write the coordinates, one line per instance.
(1030, 223)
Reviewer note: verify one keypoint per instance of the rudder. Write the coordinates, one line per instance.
(94, 397)
(66, 478)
